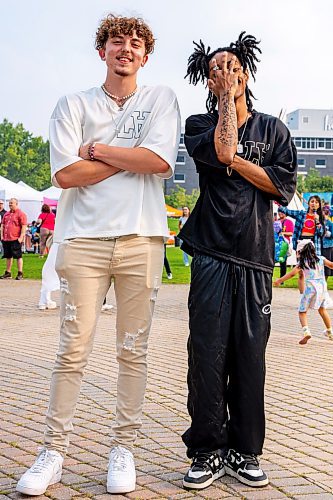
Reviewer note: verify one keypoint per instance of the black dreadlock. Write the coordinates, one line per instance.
(244, 49)
(308, 257)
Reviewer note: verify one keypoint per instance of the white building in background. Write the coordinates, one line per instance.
(312, 132)
(185, 174)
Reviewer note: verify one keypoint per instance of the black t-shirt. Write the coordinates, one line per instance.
(232, 219)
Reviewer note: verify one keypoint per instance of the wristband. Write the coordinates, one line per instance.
(91, 151)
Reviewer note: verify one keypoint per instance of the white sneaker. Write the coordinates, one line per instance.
(169, 276)
(45, 471)
(107, 307)
(50, 305)
(121, 473)
(328, 334)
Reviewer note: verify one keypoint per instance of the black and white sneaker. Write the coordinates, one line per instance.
(205, 468)
(245, 468)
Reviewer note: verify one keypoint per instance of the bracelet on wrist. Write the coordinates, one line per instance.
(91, 151)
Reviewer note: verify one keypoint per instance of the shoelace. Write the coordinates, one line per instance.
(119, 458)
(44, 459)
(204, 459)
(249, 459)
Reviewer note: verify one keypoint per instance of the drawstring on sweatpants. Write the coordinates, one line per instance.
(234, 279)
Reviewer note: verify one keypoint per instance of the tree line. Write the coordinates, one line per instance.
(24, 157)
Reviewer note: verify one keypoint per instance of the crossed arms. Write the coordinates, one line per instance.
(109, 161)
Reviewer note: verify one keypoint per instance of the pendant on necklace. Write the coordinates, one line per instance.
(240, 148)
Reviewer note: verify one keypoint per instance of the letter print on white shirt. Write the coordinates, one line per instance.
(133, 125)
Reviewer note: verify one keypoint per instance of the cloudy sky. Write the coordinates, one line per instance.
(47, 50)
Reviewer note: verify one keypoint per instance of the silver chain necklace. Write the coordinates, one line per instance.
(119, 100)
(240, 148)
(120, 108)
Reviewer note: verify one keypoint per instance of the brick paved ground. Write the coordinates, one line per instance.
(298, 451)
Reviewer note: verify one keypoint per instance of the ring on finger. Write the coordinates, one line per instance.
(215, 68)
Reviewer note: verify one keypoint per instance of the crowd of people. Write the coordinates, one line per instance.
(110, 147)
(314, 293)
(312, 239)
(18, 236)
(315, 224)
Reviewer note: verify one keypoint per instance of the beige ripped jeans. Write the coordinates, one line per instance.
(85, 268)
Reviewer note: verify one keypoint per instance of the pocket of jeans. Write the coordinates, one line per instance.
(59, 263)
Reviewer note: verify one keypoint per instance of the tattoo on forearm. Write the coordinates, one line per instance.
(228, 133)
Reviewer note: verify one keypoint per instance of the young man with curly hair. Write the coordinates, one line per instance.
(245, 159)
(111, 147)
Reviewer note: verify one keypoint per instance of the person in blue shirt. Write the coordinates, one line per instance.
(327, 250)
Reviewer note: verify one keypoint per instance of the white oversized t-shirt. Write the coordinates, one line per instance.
(126, 203)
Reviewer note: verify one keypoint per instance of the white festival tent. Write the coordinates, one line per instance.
(295, 204)
(52, 192)
(30, 200)
(25, 185)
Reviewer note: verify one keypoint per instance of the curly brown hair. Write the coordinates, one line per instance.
(113, 25)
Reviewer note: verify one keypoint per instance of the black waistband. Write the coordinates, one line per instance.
(306, 238)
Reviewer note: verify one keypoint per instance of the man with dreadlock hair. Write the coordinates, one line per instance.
(245, 159)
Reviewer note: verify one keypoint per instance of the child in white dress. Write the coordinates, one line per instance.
(315, 293)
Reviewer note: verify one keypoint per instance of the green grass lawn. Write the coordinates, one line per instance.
(180, 273)
(173, 224)
(32, 269)
(32, 266)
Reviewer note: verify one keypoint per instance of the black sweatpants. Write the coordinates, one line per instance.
(283, 268)
(166, 262)
(229, 309)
